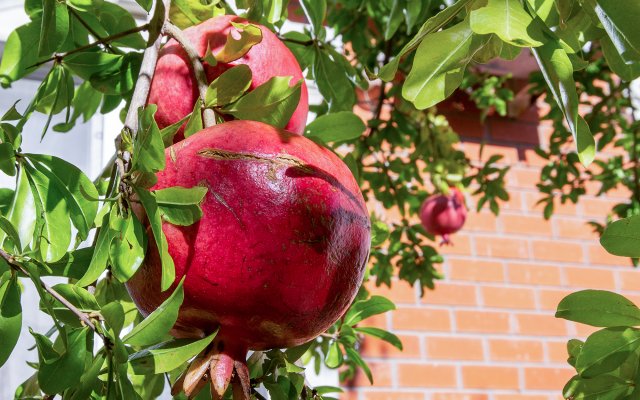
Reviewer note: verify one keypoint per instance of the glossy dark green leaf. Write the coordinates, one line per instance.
(59, 371)
(439, 64)
(147, 4)
(79, 297)
(167, 356)
(315, 11)
(509, 20)
(229, 86)
(237, 45)
(181, 206)
(194, 123)
(89, 379)
(619, 20)
(622, 237)
(599, 308)
(381, 334)
(115, 19)
(6, 197)
(20, 53)
(7, 159)
(273, 102)
(7, 227)
(148, 155)
(626, 71)
(127, 248)
(55, 27)
(120, 80)
(605, 350)
(150, 205)
(355, 357)
(86, 64)
(558, 73)
(603, 387)
(100, 256)
(364, 309)
(433, 24)
(157, 325)
(333, 83)
(21, 213)
(336, 127)
(169, 132)
(157, 21)
(10, 317)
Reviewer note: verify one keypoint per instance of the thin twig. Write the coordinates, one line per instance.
(208, 116)
(61, 56)
(81, 315)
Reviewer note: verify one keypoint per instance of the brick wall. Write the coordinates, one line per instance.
(488, 332)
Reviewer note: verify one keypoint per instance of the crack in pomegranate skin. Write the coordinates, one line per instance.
(292, 266)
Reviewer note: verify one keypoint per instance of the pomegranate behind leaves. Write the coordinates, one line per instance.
(444, 214)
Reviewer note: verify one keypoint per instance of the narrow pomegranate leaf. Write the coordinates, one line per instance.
(364, 309)
(606, 349)
(126, 251)
(599, 308)
(100, 256)
(229, 86)
(181, 206)
(622, 238)
(194, 124)
(158, 324)
(381, 334)
(355, 357)
(336, 127)
(250, 35)
(10, 317)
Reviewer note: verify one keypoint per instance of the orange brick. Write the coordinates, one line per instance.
(515, 201)
(382, 375)
(393, 396)
(459, 396)
(460, 244)
(451, 294)
(557, 251)
(502, 247)
(486, 377)
(590, 278)
(533, 274)
(557, 351)
(630, 280)
(547, 378)
(531, 200)
(574, 228)
(596, 207)
(454, 348)
(377, 321)
(507, 297)
(598, 255)
(532, 159)
(372, 347)
(524, 397)
(400, 291)
(482, 321)
(525, 178)
(471, 270)
(526, 225)
(483, 221)
(427, 375)
(549, 299)
(421, 319)
(541, 324)
(583, 331)
(516, 350)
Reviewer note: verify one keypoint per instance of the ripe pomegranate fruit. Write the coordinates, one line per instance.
(279, 252)
(174, 88)
(444, 214)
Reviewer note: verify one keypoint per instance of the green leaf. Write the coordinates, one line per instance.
(395, 18)
(622, 237)
(381, 334)
(52, 233)
(21, 213)
(605, 350)
(79, 297)
(55, 27)
(148, 154)
(89, 379)
(603, 387)
(157, 325)
(167, 356)
(332, 81)
(88, 63)
(59, 371)
(364, 309)
(273, 102)
(20, 53)
(379, 233)
(194, 124)
(315, 11)
(626, 71)
(10, 317)
(508, 20)
(248, 35)
(75, 187)
(100, 256)
(229, 86)
(121, 78)
(113, 314)
(337, 127)
(7, 227)
(355, 357)
(334, 357)
(619, 20)
(147, 4)
(439, 64)
(169, 132)
(558, 73)
(73, 265)
(7, 159)
(6, 197)
(599, 308)
(433, 24)
(181, 206)
(115, 19)
(128, 244)
(148, 201)
(186, 13)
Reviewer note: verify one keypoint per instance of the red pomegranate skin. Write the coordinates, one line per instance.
(280, 251)
(174, 88)
(443, 214)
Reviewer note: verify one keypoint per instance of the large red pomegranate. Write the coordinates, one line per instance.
(444, 214)
(280, 251)
(174, 88)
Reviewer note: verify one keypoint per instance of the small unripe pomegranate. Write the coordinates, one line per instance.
(174, 88)
(444, 214)
(280, 251)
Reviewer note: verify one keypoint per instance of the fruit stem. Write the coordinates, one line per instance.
(208, 116)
